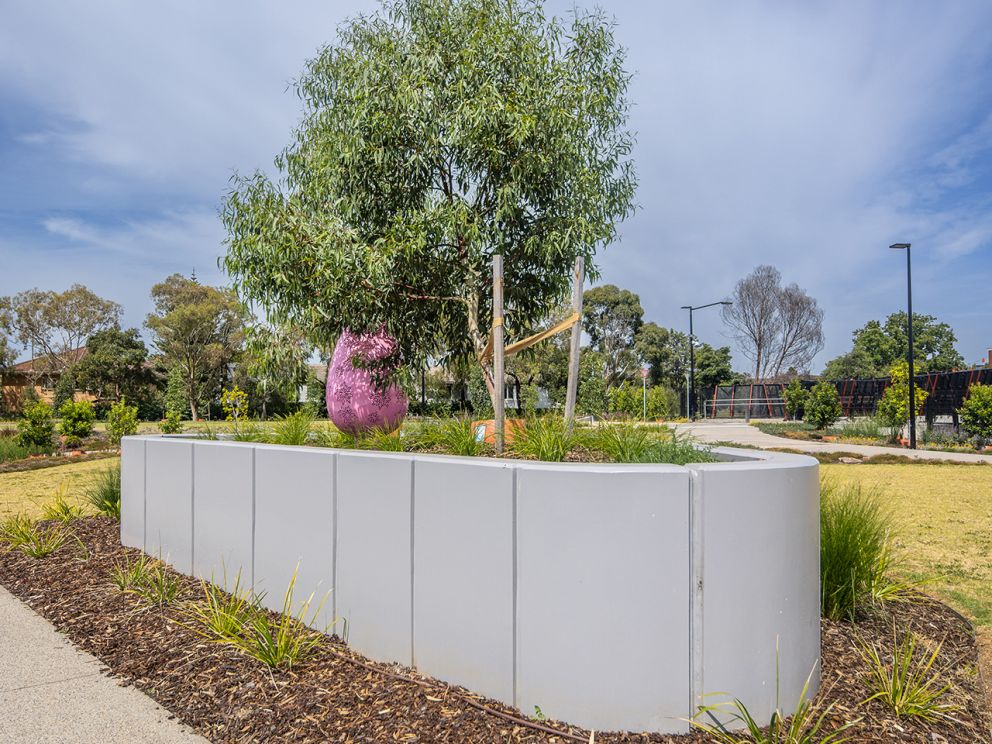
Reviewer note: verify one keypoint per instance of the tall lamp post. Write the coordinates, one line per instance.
(909, 333)
(692, 356)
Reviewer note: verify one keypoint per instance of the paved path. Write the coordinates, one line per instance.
(741, 433)
(50, 691)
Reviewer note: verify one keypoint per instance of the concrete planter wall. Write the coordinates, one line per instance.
(612, 596)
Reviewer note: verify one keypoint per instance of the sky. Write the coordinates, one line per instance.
(809, 136)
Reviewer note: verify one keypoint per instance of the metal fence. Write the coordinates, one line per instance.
(946, 392)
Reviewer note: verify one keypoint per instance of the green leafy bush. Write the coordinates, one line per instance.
(823, 405)
(478, 393)
(65, 389)
(36, 427)
(122, 421)
(856, 558)
(893, 408)
(171, 424)
(77, 421)
(976, 413)
(795, 399)
(663, 402)
(627, 401)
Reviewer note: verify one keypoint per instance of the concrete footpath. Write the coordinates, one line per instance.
(50, 691)
(739, 432)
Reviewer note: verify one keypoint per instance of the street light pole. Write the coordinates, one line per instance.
(692, 356)
(909, 334)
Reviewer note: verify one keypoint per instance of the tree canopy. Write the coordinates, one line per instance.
(878, 346)
(114, 365)
(198, 331)
(56, 323)
(435, 134)
(612, 318)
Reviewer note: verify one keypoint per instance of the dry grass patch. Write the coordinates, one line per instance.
(28, 492)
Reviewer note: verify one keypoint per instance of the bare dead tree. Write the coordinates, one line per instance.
(801, 331)
(754, 316)
(776, 327)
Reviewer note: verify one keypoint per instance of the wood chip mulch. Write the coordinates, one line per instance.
(337, 695)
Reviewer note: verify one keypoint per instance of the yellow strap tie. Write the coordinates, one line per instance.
(529, 341)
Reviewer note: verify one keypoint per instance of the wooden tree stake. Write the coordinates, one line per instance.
(498, 350)
(573, 356)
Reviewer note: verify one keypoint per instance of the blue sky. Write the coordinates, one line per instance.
(805, 135)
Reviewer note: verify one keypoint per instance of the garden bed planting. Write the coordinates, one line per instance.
(337, 695)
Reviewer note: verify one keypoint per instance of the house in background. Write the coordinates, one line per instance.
(41, 375)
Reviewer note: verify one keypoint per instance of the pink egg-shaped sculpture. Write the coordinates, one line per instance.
(355, 403)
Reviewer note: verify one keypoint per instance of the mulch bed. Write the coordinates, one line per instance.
(52, 461)
(337, 695)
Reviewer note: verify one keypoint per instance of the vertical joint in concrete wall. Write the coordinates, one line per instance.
(413, 504)
(334, 540)
(144, 495)
(252, 584)
(192, 508)
(513, 549)
(695, 590)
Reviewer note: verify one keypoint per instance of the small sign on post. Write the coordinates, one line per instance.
(644, 385)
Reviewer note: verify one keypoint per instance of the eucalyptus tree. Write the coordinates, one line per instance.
(435, 134)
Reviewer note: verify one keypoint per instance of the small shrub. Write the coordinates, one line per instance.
(544, 438)
(104, 492)
(221, 616)
(122, 421)
(624, 442)
(864, 428)
(803, 726)
(60, 510)
(377, 439)
(893, 408)
(294, 428)
(249, 431)
(976, 413)
(234, 403)
(42, 541)
(36, 427)
(171, 424)
(910, 686)
(155, 585)
(16, 530)
(627, 401)
(130, 574)
(454, 436)
(795, 399)
(77, 421)
(855, 551)
(823, 405)
(663, 402)
(287, 640)
(11, 449)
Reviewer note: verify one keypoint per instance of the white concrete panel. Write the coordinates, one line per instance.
(294, 528)
(374, 561)
(133, 492)
(169, 501)
(761, 579)
(222, 512)
(463, 573)
(603, 595)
